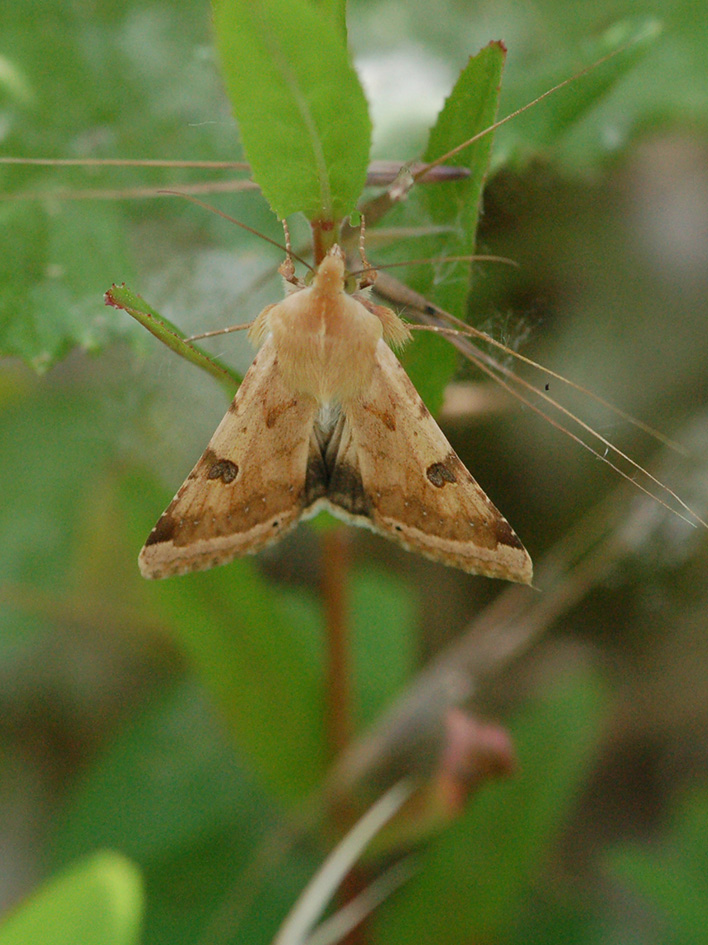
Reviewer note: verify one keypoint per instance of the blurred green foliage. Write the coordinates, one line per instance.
(98, 901)
(672, 881)
(182, 725)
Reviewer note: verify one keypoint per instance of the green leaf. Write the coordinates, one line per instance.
(99, 901)
(300, 107)
(50, 293)
(258, 668)
(452, 208)
(479, 872)
(260, 661)
(470, 109)
(338, 12)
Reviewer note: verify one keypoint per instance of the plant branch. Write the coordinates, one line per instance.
(122, 297)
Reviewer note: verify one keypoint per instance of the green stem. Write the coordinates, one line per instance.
(122, 297)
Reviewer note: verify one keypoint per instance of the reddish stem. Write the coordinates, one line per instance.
(324, 236)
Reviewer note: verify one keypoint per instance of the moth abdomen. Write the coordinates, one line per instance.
(346, 491)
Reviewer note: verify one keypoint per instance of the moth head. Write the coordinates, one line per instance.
(331, 276)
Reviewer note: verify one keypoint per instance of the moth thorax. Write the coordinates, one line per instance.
(326, 343)
(328, 368)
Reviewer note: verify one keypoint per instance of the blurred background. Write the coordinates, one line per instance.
(180, 723)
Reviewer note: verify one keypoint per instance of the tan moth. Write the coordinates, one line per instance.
(326, 417)
(401, 482)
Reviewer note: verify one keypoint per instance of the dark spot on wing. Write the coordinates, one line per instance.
(439, 474)
(163, 531)
(505, 534)
(223, 469)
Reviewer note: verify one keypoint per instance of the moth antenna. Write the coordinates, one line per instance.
(444, 259)
(639, 424)
(244, 226)
(426, 168)
(490, 367)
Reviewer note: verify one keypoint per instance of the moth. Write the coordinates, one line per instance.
(327, 418)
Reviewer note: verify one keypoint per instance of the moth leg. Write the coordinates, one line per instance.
(369, 274)
(245, 326)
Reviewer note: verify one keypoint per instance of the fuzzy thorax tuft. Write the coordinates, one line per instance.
(326, 338)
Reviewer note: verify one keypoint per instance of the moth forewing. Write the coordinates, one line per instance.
(248, 488)
(420, 492)
(326, 416)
